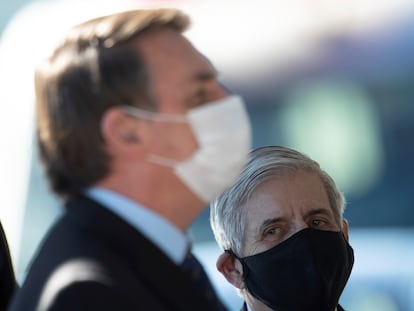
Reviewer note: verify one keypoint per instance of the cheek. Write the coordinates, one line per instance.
(255, 247)
(264, 246)
(175, 141)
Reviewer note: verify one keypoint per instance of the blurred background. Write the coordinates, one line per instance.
(331, 78)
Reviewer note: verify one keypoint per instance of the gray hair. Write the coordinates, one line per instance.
(228, 219)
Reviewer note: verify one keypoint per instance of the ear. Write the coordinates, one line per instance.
(232, 269)
(345, 229)
(121, 133)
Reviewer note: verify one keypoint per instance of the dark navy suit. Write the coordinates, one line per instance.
(244, 308)
(93, 260)
(7, 279)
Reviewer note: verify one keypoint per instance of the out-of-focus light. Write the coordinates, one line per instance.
(369, 300)
(243, 38)
(335, 123)
(248, 38)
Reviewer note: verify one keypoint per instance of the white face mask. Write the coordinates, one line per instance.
(223, 132)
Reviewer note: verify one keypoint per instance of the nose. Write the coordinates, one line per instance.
(298, 225)
(224, 89)
(219, 91)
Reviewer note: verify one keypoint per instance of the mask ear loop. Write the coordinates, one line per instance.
(153, 115)
(245, 268)
(230, 252)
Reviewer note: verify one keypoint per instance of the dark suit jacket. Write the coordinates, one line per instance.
(244, 308)
(7, 279)
(93, 260)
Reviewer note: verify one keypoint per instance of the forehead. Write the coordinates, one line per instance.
(288, 195)
(170, 56)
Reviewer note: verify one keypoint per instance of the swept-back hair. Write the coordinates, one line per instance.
(93, 69)
(228, 218)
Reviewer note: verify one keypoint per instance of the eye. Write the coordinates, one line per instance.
(271, 231)
(318, 223)
(271, 234)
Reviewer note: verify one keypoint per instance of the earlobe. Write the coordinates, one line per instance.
(231, 269)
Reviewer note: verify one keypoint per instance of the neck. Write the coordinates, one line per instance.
(176, 204)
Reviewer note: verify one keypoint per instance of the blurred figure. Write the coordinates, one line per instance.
(134, 131)
(7, 278)
(285, 240)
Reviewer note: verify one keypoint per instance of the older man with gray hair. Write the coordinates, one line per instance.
(284, 237)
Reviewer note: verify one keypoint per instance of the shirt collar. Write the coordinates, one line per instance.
(166, 236)
(249, 309)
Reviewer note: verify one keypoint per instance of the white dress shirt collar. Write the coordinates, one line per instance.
(249, 309)
(166, 236)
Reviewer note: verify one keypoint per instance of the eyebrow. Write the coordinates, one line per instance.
(270, 221)
(312, 212)
(323, 211)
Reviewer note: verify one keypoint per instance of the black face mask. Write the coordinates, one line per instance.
(308, 271)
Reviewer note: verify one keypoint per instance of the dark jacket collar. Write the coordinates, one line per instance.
(7, 281)
(148, 262)
(244, 308)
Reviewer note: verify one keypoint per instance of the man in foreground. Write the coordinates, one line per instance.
(134, 131)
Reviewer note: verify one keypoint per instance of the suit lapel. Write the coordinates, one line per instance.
(170, 281)
(151, 266)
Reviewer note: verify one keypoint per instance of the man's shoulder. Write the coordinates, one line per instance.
(85, 283)
(85, 289)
